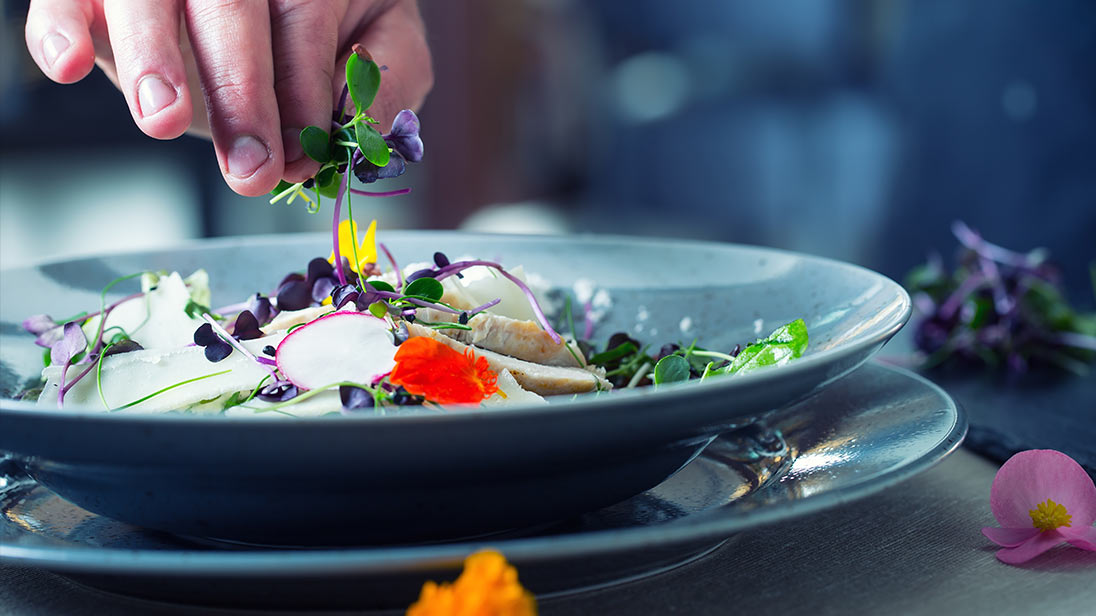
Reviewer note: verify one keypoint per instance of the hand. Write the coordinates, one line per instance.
(266, 69)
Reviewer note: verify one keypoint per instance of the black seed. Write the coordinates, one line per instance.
(269, 350)
(463, 318)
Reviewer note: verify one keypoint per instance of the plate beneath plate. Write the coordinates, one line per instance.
(866, 432)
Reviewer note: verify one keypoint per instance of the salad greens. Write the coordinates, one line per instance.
(998, 308)
(348, 327)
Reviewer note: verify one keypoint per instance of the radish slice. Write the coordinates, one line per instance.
(342, 346)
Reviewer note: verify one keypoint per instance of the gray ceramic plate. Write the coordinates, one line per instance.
(868, 431)
(423, 477)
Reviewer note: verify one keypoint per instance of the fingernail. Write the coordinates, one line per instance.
(291, 141)
(153, 94)
(53, 45)
(246, 156)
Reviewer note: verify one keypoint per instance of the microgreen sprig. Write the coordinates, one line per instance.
(353, 144)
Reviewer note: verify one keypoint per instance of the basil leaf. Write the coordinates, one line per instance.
(363, 79)
(372, 145)
(425, 288)
(671, 369)
(316, 143)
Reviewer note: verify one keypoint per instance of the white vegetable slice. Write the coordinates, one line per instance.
(342, 346)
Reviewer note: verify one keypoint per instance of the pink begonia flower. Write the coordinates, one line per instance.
(1041, 498)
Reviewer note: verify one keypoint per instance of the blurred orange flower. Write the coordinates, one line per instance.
(428, 368)
(488, 586)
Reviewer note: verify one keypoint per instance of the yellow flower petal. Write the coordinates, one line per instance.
(348, 236)
(367, 253)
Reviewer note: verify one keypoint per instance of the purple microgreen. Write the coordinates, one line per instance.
(266, 361)
(392, 260)
(246, 327)
(423, 273)
(124, 346)
(295, 295)
(322, 289)
(404, 137)
(226, 337)
(354, 397)
(367, 171)
(214, 347)
(401, 334)
(261, 308)
(50, 337)
(441, 260)
(39, 324)
(388, 193)
(343, 294)
(454, 268)
(337, 216)
(319, 268)
(490, 304)
(69, 345)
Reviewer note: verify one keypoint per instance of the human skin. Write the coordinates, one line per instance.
(250, 74)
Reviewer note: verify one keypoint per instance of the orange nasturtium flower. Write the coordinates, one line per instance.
(488, 586)
(428, 368)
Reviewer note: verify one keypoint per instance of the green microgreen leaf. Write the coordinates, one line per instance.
(316, 143)
(363, 79)
(381, 285)
(195, 310)
(783, 345)
(620, 350)
(378, 309)
(671, 369)
(372, 145)
(426, 289)
(327, 182)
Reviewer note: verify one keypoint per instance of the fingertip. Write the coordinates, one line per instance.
(252, 167)
(59, 42)
(164, 110)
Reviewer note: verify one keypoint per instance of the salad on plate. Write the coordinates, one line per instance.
(346, 334)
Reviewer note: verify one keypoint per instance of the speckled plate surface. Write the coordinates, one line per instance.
(864, 433)
(380, 479)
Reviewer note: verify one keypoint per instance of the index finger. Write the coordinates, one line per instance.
(231, 43)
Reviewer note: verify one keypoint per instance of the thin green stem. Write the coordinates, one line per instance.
(169, 388)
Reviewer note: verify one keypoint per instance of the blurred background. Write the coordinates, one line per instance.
(851, 129)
